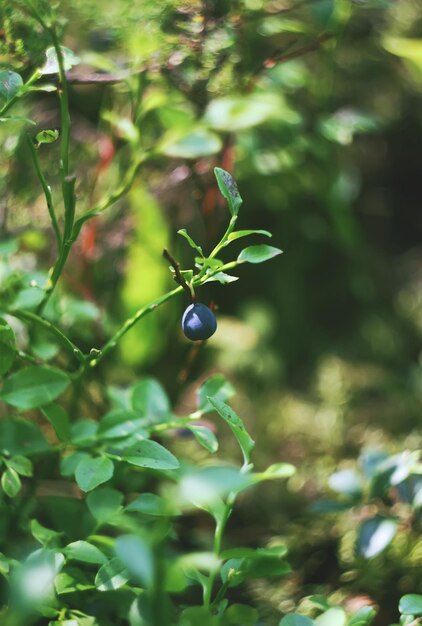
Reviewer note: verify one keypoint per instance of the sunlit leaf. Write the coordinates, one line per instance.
(51, 65)
(238, 234)
(47, 136)
(333, 617)
(111, 576)
(374, 535)
(11, 483)
(258, 254)
(411, 604)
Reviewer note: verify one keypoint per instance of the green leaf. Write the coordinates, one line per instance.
(47, 136)
(4, 564)
(411, 604)
(254, 553)
(16, 118)
(152, 455)
(216, 386)
(374, 535)
(234, 113)
(121, 423)
(222, 278)
(33, 387)
(205, 437)
(346, 482)
(84, 433)
(59, 420)
(71, 581)
(85, 552)
(42, 534)
(21, 465)
(10, 84)
(197, 144)
(363, 617)
(204, 487)
(258, 254)
(240, 614)
(68, 464)
(228, 189)
(11, 483)
(111, 576)
(7, 347)
(150, 400)
(238, 234)
(294, 619)
(150, 504)
(236, 425)
(51, 65)
(8, 247)
(92, 472)
(195, 615)
(35, 584)
(136, 554)
(191, 242)
(333, 617)
(104, 503)
(20, 437)
(275, 472)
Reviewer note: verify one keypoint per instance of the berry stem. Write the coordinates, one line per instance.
(178, 275)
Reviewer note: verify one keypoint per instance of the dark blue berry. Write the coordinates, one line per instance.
(198, 322)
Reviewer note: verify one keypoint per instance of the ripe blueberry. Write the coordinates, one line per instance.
(198, 322)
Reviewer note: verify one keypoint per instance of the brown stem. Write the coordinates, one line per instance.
(178, 275)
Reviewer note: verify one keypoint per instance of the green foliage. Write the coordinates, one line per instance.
(115, 473)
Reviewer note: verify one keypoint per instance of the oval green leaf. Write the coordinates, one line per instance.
(228, 189)
(92, 472)
(33, 387)
(258, 254)
(11, 483)
(151, 455)
(411, 604)
(10, 83)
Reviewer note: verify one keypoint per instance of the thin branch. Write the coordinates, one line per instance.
(177, 274)
(47, 191)
(282, 57)
(27, 316)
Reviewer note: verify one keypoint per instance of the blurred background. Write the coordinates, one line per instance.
(315, 106)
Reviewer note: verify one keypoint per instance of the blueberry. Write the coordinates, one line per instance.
(198, 322)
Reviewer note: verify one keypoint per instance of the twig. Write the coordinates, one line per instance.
(47, 191)
(282, 57)
(178, 275)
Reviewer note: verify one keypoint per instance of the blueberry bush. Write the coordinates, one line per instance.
(132, 492)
